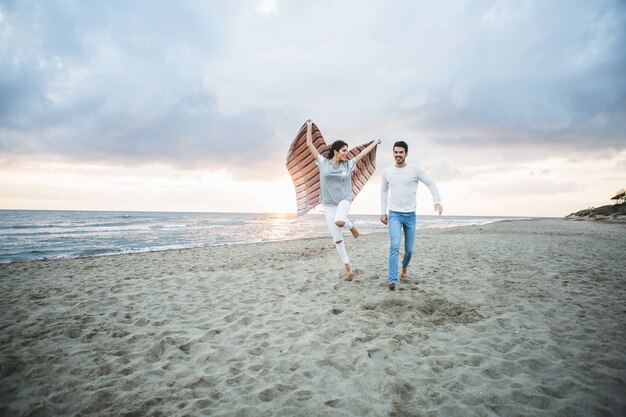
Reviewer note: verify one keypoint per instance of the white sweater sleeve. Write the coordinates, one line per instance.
(384, 194)
(434, 191)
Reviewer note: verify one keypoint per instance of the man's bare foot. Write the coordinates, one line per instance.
(355, 233)
(404, 274)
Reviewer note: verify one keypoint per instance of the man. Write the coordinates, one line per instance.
(398, 190)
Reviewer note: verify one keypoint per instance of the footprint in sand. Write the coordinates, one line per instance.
(273, 392)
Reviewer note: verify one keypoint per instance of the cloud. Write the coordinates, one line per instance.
(443, 171)
(85, 85)
(227, 85)
(528, 188)
(536, 73)
(267, 6)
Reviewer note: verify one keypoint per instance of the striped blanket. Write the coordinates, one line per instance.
(306, 176)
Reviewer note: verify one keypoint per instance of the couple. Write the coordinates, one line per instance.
(398, 192)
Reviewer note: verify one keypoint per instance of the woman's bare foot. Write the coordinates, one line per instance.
(355, 233)
(405, 273)
(349, 273)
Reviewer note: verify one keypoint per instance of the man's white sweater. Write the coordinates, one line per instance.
(398, 188)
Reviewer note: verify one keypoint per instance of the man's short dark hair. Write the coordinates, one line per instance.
(402, 144)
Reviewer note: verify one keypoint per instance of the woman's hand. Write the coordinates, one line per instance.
(367, 150)
(309, 138)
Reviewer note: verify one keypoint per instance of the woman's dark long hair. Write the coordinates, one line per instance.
(336, 147)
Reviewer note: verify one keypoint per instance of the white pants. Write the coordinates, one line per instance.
(334, 214)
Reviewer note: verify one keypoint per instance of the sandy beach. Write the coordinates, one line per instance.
(520, 318)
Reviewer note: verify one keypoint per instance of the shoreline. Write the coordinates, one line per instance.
(519, 317)
(192, 245)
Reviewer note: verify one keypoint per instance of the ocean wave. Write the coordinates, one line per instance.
(79, 231)
(32, 255)
(29, 226)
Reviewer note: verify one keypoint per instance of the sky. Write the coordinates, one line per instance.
(514, 108)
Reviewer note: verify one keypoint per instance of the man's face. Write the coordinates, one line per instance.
(399, 155)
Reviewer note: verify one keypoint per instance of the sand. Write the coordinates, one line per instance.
(523, 318)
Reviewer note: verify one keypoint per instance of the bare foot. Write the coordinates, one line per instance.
(355, 233)
(349, 273)
(404, 274)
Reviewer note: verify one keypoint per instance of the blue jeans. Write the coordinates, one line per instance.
(398, 222)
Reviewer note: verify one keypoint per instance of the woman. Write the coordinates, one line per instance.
(336, 189)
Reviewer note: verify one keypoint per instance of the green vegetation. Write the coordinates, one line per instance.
(609, 212)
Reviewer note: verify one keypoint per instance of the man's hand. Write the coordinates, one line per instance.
(438, 208)
(383, 219)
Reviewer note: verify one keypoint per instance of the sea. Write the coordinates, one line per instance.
(30, 235)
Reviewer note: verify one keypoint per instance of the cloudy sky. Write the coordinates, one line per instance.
(513, 107)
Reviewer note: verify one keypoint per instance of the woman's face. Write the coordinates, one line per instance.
(343, 153)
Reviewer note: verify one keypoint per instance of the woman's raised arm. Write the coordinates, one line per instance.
(367, 150)
(309, 139)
